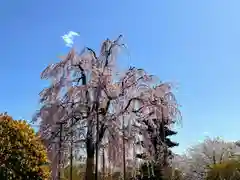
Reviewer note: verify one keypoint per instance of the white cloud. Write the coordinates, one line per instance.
(68, 38)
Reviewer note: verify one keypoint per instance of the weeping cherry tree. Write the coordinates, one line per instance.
(88, 91)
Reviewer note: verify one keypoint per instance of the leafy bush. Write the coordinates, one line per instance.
(22, 154)
(225, 170)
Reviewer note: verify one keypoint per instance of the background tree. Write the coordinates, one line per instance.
(165, 133)
(161, 165)
(22, 154)
(198, 159)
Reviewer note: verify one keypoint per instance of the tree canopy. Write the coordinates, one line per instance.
(22, 154)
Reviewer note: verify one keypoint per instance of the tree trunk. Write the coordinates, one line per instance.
(90, 155)
(103, 165)
(90, 165)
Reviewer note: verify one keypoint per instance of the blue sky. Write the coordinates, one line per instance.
(194, 43)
